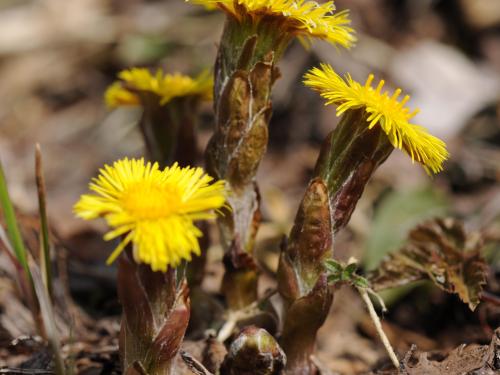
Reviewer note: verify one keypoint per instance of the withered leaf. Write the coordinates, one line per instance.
(465, 359)
(439, 250)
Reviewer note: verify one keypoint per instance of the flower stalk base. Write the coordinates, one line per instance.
(154, 319)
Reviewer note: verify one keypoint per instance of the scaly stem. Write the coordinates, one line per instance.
(349, 156)
(244, 75)
(154, 319)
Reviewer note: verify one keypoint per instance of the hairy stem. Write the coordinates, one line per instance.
(348, 158)
(244, 75)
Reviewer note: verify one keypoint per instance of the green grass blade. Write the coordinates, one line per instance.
(11, 223)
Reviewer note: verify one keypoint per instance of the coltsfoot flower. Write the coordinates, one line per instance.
(153, 209)
(382, 109)
(165, 86)
(302, 18)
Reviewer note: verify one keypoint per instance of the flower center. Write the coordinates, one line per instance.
(145, 201)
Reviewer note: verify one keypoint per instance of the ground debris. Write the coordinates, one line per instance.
(463, 360)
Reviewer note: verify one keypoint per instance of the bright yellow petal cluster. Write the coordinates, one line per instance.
(383, 110)
(303, 18)
(153, 209)
(116, 95)
(166, 86)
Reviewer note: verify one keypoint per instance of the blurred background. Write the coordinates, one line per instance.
(58, 56)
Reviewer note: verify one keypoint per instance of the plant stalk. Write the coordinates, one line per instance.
(348, 158)
(244, 75)
(155, 317)
(45, 260)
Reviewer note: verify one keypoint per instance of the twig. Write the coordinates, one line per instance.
(378, 326)
(45, 262)
(235, 316)
(193, 364)
(227, 328)
(377, 296)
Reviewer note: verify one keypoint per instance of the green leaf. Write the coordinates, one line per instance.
(361, 282)
(339, 273)
(441, 251)
(333, 266)
(332, 279)
(349, 270)
(397, 213)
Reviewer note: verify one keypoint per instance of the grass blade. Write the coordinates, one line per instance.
(45, 262)
(11, 223)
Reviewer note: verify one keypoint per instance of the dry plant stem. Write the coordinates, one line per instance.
(155, 317)
(193, 364)
(349, 156)
(25, 282)
(45, 261)
(48, 318)
(378, 326)
(244, 75)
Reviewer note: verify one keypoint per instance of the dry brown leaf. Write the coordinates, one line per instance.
(441, 251)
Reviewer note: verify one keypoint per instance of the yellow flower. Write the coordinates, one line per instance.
(302, 18)
(166, 86)
(383, 110)
(116, 95)
(153, 209)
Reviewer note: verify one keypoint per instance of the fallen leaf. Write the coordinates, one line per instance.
(439, 250)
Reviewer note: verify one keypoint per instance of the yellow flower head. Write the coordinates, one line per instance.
(166, 86)
(303, 18)
(153, 209)
(383, 110)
